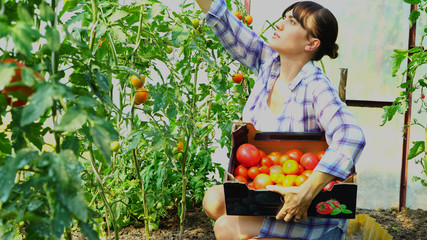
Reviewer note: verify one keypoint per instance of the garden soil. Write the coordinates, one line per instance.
(407, 224)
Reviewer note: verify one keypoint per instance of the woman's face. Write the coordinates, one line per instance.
(289, 38)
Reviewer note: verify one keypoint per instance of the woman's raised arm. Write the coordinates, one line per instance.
(205, 5)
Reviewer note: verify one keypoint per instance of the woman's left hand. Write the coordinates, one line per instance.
(296, 203)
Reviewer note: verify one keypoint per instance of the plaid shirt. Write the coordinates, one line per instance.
(312, 105)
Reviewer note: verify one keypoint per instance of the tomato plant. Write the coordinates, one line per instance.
(412, 90)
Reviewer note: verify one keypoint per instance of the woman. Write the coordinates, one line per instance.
(290, 94)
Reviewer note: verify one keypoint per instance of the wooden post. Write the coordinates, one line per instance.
(343, 84)
(248, 6)
(407, 121)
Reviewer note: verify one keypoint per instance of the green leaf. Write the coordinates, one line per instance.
(72, 120)
(5, 145)
(46, 12)
(336, 211)
(117, 34)
(88, 231)
(41, 100)
(7, 71)
(102, 80)
(412, 1)
(53, 38)
(60, 219)
(416, 149)
(399, 56)
(24, 15)
(389, 112)
(23, 36)
(155, 10)
(7, 178)
(117, 15)
(179, 34)
(4, 29)
(347, 211)
(69, 191)
(101, 138)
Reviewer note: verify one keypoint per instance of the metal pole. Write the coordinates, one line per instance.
(407, 121)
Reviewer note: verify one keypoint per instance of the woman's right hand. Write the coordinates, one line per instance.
(205, 5)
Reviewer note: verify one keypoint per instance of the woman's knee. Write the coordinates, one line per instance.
(214, 202)
(224, 228)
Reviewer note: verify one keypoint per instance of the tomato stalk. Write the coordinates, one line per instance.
(95, 23)
(101, 187)
(144, 197)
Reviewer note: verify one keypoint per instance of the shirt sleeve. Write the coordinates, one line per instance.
(343, 133)
(240, 41)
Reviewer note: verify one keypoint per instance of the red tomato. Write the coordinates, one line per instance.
(324, 208)
(262, 180)
(247, 155)
(264, 169)
(295, 154)
(241, 171)
(253, 172)
(309, 160)
(329, 186)
(320, 154)
(266, 161)
(242, 179)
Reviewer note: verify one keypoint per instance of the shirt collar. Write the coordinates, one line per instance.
(307, 70)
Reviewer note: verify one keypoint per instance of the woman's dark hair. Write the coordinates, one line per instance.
(319, 23)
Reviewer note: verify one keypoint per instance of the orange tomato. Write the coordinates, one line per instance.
(307, 173)
(277, 177)
(253, 172)
(283, 158)
(141, 96)
(320, 154)
(136, 82)
(300, 180)
(289, 180)
(276, 168)
(264, 169)
(237, 77)
(290, 167)
(275, 156)
(262, 180)
(241, 171)
(262, 154)
(301, 169)
(248, 20)
(266, 161)
(238, 15)
(242, 179)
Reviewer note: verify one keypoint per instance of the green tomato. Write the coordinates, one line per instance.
(115, 146)
(196, 23)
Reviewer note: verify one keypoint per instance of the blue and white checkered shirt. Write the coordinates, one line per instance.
(312, 105)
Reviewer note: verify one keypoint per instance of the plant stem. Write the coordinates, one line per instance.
(144, 197)
(101, 187)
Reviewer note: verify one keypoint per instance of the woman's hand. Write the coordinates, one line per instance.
(298, 199)
(296, 203)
